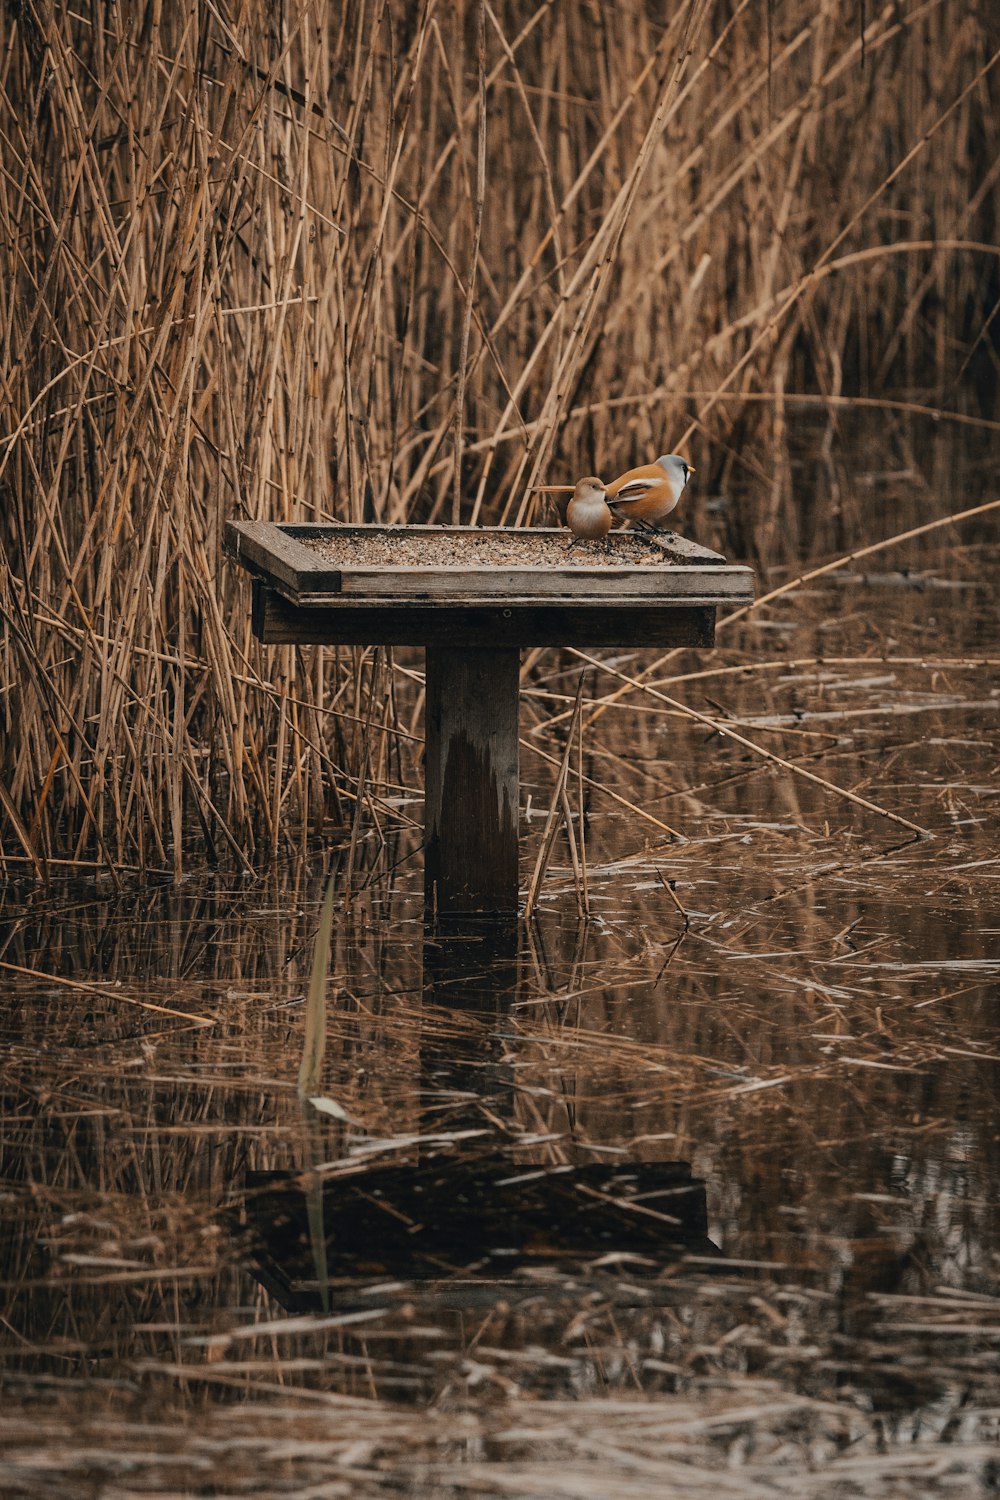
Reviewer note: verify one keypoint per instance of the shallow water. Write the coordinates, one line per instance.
(197, 1297)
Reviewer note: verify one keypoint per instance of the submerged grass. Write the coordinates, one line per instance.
(393, 262)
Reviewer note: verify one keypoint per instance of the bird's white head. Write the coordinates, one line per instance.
(677, 468)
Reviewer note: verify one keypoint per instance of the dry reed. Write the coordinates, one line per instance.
(395, 262)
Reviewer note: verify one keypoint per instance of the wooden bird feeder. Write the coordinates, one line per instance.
(472, 596)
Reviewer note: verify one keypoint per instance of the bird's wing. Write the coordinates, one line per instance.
(649, 500)
(636, 489)
(635, 482)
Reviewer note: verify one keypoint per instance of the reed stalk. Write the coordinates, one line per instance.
(401, 263)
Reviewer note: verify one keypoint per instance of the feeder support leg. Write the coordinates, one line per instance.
(471, 780)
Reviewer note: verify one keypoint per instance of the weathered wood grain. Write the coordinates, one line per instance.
(608, 583)
(682, 549)
(471, 779)
(277, 621)
(275, 553)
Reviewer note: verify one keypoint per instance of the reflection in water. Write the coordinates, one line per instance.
(459, 1210)
(821, 1046)
(469, 968)
(479, 1228)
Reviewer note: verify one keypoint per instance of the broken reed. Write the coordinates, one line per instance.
(239, 279)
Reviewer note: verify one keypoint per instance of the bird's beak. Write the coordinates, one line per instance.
(692, 469)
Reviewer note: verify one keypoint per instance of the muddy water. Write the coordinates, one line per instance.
(697, 1193)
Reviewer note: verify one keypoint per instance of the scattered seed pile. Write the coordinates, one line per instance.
(523, 549)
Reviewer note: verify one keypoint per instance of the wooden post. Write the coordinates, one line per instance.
(471, 780)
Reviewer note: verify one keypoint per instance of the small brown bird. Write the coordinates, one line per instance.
(648, 494)
(587, 514)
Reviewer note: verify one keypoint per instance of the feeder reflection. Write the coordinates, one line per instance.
(472, 1227)
(468, 1212)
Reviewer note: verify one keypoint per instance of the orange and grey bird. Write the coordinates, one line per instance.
(648, 494)
(587, 514)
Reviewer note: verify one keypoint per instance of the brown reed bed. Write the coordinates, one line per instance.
(378, 263)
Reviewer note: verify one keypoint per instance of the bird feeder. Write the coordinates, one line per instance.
(473, 596)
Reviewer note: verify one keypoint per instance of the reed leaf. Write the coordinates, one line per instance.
(314, 1042)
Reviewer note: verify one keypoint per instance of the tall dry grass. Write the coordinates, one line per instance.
(392, 261)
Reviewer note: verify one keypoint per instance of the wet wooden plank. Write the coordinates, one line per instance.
(522, 622)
